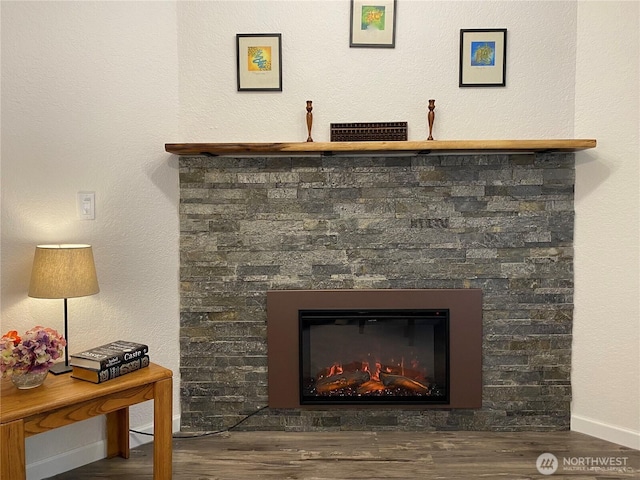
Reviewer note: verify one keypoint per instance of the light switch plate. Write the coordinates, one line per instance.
(86, 202)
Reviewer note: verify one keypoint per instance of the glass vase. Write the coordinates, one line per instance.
(26, 380)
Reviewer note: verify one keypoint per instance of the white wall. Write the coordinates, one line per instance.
(92, 90)
(89, 96)
(365, 84)
(606, 355)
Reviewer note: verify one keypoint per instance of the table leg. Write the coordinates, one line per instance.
(162, 431)
(118, 433)
(12, 457)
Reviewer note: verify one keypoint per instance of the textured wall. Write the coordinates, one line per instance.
(87, 102)
(502, 223)
(376, 84)
(608, 225)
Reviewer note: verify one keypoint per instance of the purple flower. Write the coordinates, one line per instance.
(35, 352)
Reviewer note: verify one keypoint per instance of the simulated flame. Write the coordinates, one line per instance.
(365, 379)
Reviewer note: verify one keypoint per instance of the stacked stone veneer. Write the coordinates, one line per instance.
(502, 223)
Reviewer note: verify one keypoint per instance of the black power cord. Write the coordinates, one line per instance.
(182, 435)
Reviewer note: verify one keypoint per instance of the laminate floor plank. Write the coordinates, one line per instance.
(375, 456)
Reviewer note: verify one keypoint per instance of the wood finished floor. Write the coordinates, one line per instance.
(369, 456)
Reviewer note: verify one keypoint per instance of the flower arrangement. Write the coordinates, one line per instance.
(34, 352)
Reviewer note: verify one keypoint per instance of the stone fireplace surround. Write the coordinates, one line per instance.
(502, 223)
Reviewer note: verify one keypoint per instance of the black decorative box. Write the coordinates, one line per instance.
(369, 132)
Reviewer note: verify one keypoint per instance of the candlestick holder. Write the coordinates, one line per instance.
(309, 120)
(431, 117)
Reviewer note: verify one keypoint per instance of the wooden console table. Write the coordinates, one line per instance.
(63, 400)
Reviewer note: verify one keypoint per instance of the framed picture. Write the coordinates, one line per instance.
(483, 57)
(373, 23)
(259, 57)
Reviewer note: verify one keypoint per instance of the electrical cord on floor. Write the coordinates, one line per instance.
(181, 435)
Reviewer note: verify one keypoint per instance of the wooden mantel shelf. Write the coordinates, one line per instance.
(411, 147)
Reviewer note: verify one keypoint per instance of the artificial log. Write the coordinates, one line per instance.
(389, 380)
(342, 380)
(370, 387)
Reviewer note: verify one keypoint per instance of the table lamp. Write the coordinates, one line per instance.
(63, 271)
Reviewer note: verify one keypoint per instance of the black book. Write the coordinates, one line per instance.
(109, 355)
(99, 376)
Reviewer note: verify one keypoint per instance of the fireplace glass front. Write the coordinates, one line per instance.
(374, 356)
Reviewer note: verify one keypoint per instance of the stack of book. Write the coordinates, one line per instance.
(109, 361)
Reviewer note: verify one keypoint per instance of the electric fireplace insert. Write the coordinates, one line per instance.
(374, 356)
(379, 348)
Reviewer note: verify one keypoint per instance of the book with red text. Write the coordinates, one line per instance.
(108, 355)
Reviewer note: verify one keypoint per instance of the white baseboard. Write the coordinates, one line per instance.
(78, 457)
(611, 433)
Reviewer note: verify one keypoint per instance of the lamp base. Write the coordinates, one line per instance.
(58, 368)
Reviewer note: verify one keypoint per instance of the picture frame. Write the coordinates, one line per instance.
(259, 61)
(483, 57)
(373, 24)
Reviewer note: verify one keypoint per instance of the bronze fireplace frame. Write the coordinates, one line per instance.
(465, 337)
